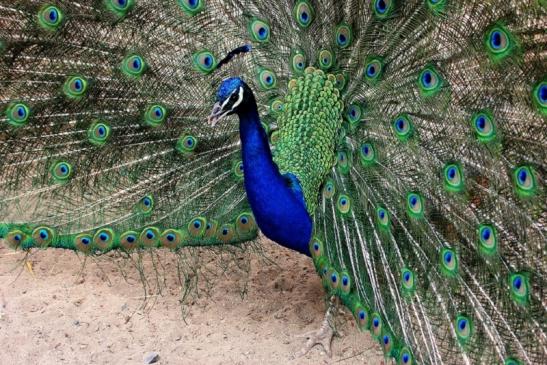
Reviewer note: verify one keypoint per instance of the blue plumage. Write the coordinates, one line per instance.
(279, 209)
(276, 200)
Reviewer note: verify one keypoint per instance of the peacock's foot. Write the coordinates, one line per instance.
(324, 335)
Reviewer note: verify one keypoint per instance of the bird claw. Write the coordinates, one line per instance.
(322, 337)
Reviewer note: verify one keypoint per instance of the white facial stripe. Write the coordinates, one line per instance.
(224, 104)
(240, 98)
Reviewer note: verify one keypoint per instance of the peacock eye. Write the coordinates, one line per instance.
(191, 7)
(259, 30)
(453, 177)
(430, 81)
(186, 144)
(382, 8)
(133, 66)
(427, 78)
(17, 114)
(75, 87)
(354, 114)
(267, 79)
(276, 106)
(119, 7)
(498, 40)
(298, 61)
(326, 59)
(343, 35)
(155, 115)
(121, 4)
(542, 93)
(204, 61)
(61, 171)
(464, 328)
(368, 154)
(98, 133)
(50, 18)
(374, 68)
(525, 180)
(341, 81)
(304, 13)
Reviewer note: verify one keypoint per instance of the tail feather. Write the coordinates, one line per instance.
(107, 125)
(439, 230)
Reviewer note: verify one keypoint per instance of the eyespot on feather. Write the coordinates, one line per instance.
(98, 133)
(119, 8)
(50, 17)
(382, 9)
(226, 233)
(134, 66)
(61, 172)
(303, 13)
(129, 240)
(84, 242)
(259, 30)
(191, 7)
(150, 237)
(204, 61)
(172, 239)
(75, 87)
(43, 236)
(103, 239)
(155, 115)
(18, 114)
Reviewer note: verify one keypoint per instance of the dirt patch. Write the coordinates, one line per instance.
(58, 313)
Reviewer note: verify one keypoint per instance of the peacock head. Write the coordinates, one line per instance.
(231, 96)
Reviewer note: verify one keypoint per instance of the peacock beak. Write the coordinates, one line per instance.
(216, 115)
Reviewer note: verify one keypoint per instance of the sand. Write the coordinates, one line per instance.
(57, 313)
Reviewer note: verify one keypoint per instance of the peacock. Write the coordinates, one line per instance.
(401, 145)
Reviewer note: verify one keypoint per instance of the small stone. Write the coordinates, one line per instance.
(151, 357)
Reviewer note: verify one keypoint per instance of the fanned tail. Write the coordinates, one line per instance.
(103, 141)
(431, 226)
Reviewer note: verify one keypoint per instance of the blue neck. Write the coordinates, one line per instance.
(279, 210)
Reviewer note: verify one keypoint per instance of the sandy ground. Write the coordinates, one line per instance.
(59, 313)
